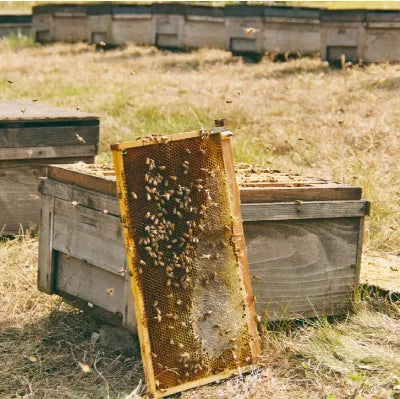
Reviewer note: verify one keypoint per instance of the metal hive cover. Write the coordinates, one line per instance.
(185, 247)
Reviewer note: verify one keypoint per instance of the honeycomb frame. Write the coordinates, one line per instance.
(180, 211)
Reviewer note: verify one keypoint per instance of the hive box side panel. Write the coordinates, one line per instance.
(303, 268)
(136, 30)
(99, 29)
(19, 196)
(47, 136)
(237, 40)
(382, 45)
(70, 28)
(200, 32)
(90, 235)
(91, 284)
(19, 199)
(42, 25)
(289, 37)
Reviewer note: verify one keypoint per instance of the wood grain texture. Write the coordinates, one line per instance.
(302, 268)
(303, 210)
(84, 197)
(8, 163)
(98, 184)
(325, 192)
(238, 233)
(76, 277)
(92, 236)
(250, 211)
(45, 136)
(12, 111)
(19, 198)
(45, 270)
(47, 152)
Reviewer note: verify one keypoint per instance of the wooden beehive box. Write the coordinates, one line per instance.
(15, 24)
(342, 32)
(204, 26)
(60, 22)
(291, 30)
(382, 36)
(244, 29)
(32, 135)
(168, 21)
(303, 239)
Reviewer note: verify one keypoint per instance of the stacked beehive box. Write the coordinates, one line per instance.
(204, 26)
(342, 33)
(291, 30)
(382, 36)
(168, 21)
(15, 24)
(243, 28)
(303, 238)
(60, 22)
(33, 135)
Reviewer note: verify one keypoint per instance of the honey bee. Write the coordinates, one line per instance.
(134, 196)
(80, 138)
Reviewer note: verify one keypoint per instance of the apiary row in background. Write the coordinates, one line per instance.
(370, 35)
(15, 24)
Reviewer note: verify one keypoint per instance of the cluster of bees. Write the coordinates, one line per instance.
(169, 238)
(170, 234)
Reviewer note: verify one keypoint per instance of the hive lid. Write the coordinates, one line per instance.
(256, 184)
(21, 111)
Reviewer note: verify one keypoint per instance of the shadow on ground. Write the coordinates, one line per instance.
(58, 357)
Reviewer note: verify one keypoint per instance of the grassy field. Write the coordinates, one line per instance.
(300, 115)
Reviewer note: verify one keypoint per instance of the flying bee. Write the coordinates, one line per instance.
(80, 138)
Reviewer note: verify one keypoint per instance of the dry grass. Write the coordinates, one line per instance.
(44, 343)
(300, 115)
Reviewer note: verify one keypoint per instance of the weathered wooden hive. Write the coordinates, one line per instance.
(168, 21)
(119, 23)
(99, 24)
(60, 22)
(244, 29)
(32, 135)
(291, 30)
(382, 36)
(342, 33)
(204, 26)
(15, 24)
(303, 238)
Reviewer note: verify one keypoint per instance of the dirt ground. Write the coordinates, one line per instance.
(300, 115)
